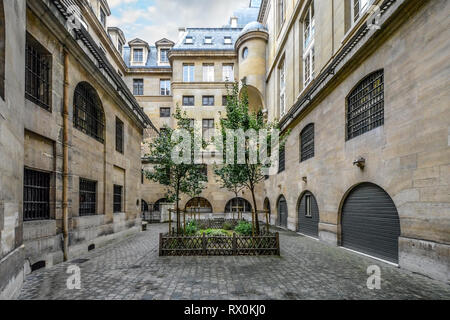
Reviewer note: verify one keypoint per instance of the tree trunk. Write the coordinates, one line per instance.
(255, 207)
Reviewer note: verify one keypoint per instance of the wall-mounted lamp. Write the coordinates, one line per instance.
(360, 163)
(305, 179)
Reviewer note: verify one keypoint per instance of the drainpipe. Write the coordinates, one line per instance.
(66, 155)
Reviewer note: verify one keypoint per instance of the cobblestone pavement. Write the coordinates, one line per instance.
(308, 269)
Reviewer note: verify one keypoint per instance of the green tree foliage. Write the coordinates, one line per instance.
(248, 175)
(179, 178)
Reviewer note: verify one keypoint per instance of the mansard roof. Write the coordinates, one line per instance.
(217, 35)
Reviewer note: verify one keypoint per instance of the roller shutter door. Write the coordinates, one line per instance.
(283, 213)
(370, 223)
(308, 215)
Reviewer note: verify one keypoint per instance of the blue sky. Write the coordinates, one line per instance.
(152, 20)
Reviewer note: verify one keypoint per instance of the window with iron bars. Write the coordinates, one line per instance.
(307, 143)
(88, 197)
(88, 112)
(37, 73)
(282, 159)
(119, 135)
(365, 105)
(36, 195)
(118, 198)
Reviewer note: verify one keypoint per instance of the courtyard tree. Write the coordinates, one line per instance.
(180, 177)
(251, 159)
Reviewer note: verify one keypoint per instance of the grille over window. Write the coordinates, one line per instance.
(88, 112)
(365, 105)
(88, 197)
(307, 143)
(36, 197)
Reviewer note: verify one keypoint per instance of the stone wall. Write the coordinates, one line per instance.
(409, 157)
(11, 149)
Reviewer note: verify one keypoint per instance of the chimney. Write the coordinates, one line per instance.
(234, 22)
(181, 31)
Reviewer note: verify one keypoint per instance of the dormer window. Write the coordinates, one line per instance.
(189, 40)
(103, 17)
(208, 40)
(138, 55)
(227, 40)
(164, 55)
(120, 47)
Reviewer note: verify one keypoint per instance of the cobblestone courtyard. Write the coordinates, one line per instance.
(308, 269)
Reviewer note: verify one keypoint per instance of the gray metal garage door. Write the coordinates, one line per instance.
(370, 222)
(308, 215)
(282, 212)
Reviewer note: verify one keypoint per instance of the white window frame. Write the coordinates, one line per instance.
(282, 72)
(228, 75)
(164, 86)
(166, 55)
(208, 72)
(227, 40)
(188, 72)
(308, 45)
(363, 5)
(134, 56)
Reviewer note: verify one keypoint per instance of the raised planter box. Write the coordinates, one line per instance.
(177, 245)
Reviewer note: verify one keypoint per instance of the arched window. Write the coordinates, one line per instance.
(88, 111)
(144, 206)
(157, 205)
(2, 51)
(365, 105)
(307, 143)
(199, 205)
(233, 204)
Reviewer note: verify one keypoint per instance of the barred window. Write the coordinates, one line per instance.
(88, 197)
(88, 114)
(118, 198)
(188, 100)
(119, 135)
(36, 195)
(282, 159)
(138, 87)
(164, 112)
(37, 73)
(365, 105)
(307, 143)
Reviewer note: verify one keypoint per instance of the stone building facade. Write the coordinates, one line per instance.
(361, 85)
(369, 112)
(193, 73)
(71, 135)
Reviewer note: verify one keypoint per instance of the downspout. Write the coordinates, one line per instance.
(66, 156)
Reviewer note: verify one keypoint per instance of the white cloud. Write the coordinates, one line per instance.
(164, 17)
(116, 3)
